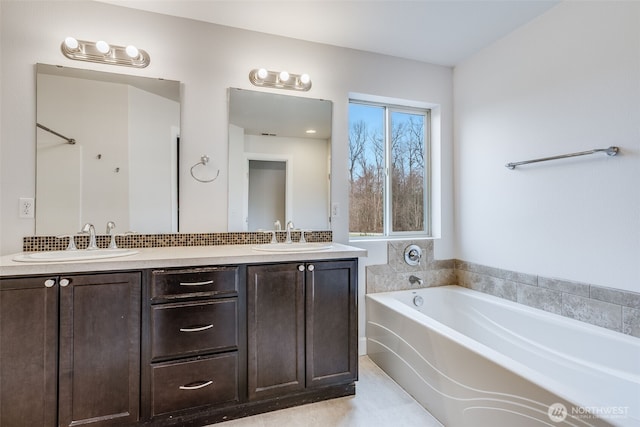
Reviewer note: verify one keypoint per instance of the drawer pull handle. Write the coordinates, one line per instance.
(196, 328)
(196, 385)
(207, 282)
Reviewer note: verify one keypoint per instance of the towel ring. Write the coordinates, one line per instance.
(203, 161)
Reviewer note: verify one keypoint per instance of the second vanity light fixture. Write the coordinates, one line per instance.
(280, 79)
(104, 53)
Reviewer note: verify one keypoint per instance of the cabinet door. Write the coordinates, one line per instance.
(99, 349)
(28, 352)
(275, 327)
(331, 323)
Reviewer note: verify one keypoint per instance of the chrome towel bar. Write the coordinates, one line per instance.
(69, 140)
(610, 151)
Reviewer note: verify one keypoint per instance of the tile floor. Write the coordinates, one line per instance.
(379, 402)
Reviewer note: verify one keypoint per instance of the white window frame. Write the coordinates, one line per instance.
(387, 232)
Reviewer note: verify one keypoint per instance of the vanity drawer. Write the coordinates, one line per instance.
(213, 281)
(194, 327)
(194, 383)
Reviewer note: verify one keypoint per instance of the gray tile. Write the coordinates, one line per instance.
(592, 311)
(631, 321)
(544, 299)
(441, 264)
(615, 296)
(491, 285)
(400, 281)
(514, 276)
(378, 269)
(565, 286)
(395, 250)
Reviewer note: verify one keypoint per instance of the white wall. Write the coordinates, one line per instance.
(151, 148)
(97, 196)
(568, 81)
(309, 180)
(207, 59)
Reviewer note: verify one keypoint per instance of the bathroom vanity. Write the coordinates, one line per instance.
(176, 336)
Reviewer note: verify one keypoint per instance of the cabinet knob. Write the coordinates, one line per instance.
(64, 282)
(310, 267)
(301, 267)
(49, 283)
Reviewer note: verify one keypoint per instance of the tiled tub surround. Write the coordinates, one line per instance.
(129, 241)
(613, 309)
(394, 276)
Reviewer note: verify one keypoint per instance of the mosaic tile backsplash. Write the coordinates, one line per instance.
(53, 243)
(610, 308)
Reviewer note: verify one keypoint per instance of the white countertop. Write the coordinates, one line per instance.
(182, 256)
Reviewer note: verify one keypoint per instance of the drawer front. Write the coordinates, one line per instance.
(172, 284)
(183, 329)
(194, 383)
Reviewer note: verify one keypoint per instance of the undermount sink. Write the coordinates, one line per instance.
(77, 255)
(292, 247)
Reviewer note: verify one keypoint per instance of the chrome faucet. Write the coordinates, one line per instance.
(289, 227)
(90, 229)
(110, 226)
(413, 280)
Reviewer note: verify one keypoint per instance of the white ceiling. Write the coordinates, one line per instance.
(444, 32)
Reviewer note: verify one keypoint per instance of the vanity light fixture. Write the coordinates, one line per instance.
(280, 79)
(104, 53)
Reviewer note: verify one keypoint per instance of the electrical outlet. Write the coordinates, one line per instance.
(26, 207)
(335, 210)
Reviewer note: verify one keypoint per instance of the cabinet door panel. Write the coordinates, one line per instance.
(331, 289)
(100, 349)
(275, 326)
(28, 352)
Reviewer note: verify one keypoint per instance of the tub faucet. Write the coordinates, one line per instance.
(413, 280)
(90, 229)
(289, 227)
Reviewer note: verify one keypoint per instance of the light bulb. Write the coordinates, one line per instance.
(262, 73)
(284, 76)
(71, 43)
(304, 79)
(103, 46)
(132, 51)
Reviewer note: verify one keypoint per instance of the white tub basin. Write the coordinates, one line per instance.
(292, 247)
(78, 255)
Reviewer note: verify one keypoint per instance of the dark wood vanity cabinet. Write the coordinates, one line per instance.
(196, 348)
(99, 366)
(28, 351)
(302, 326)
(70, 350)
(176, 346)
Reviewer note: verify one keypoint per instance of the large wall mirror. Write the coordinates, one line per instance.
(279, 161)
(122, 164)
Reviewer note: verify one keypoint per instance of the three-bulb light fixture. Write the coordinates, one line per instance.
(104, 53)
(281, 79)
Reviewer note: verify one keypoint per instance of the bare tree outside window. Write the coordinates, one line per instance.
(387, 170)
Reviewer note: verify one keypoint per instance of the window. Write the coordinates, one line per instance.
(388, 170)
